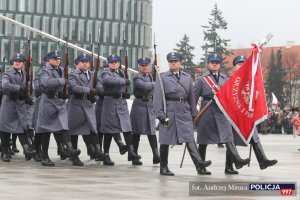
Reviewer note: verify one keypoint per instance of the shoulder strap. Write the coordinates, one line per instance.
(214, 87)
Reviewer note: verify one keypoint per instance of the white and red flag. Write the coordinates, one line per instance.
(275, 102)
(242, 98)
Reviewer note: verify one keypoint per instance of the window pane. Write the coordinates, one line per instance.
(12, 5)
(109, 10)
(22, 6)
(67, 7)
(40, 6)
(49, 6)
(75, 9)
(83, 8)
(81, 30)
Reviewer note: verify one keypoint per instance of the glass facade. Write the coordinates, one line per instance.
(81, 21)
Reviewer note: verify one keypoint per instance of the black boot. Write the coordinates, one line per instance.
(164, 153)
(135, 144)
(77, 162)
(99, 155)
(198, 162)
(235, 157)
(122, 147)
(38, 156)
(132, 156)
(202, 153)
(72, 153)
(14, 145)
(221, 146)
(107, 161)
(4, 153)
(262, 159)
(47, 162)
(229, 165)
(153, 143)
(62, 151)
(28, 151)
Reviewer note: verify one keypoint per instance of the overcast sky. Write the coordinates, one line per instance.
(248, 21)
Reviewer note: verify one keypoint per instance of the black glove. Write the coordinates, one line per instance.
(92, 98)
(93, 91)
(29, 101)
(127, 81)
(162, 120)
(22, 94)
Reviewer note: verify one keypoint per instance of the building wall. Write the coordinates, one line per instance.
(81, 21)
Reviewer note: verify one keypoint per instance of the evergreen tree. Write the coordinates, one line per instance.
(185, 50)
(214, 43)
(275, 80)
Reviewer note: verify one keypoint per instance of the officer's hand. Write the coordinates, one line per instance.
(93, 91)
(127, 81)
(93, 99)
(22, 92)
(162, 120)
(29, 101)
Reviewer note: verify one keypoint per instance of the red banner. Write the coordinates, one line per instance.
(242, 98)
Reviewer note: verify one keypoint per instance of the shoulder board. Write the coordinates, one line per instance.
(206, 73)
(223, 75)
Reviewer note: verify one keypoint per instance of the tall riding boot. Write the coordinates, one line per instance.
(107, 141)
(93, 140)
(135, 144)
(28, 151)
(164, 153)
(202, 152)
(14, 143)
(72, 153)
(132, 156)
(153, 143)
(45, 146)
(5, 139)
(61, 149)
(229, 165)
(198, 162)
(37, 142)
(262, 159)
(122, 147)
(235, 157)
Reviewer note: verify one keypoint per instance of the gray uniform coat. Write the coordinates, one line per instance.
(15, 115)
(180, 114)
(212, 127)
(81, 112)
(99, 104)
(142, 112)
(239, 142)
(38, 92)
(115, 115)
(52, 113)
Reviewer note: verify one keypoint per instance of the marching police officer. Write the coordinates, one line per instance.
(52, 111)
(142, 112)
(80, 104)
(14, 111)
(180, 110)
(115, 115)
(213, 127)
(263, 161)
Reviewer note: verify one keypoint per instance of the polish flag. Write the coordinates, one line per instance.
(242, 98)
(274, 100)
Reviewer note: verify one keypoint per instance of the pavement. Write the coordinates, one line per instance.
(28, 180)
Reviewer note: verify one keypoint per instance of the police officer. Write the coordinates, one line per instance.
(98, 108)
(142, 112)
(80, 104)
(14, 110)
(180, 109)
(52, 114)
(263, 161)
(213, 127)
(115, 115)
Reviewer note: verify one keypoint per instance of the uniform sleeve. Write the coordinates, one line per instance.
(109, 80)
(75, 88)
(49, 82)
(99, 87)
(192, 101)
(142, 85)
(158, 100)
(7, 86)
(197, 88)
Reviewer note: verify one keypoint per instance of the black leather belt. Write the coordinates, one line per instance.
(145, 97)
(180, 99)
(16, 96)
(81, 96)
(119, 95)
(52, 95)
